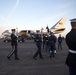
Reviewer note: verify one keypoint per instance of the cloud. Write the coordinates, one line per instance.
(14, 8)
(6, 19)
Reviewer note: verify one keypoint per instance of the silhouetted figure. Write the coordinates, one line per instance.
(60, 42)
(14, 46)
(47, 29)
(71, 42)
(52, 41)
(38, 41)
(46, 42)
(43, 41)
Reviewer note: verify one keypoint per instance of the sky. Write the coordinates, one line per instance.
(35, 14)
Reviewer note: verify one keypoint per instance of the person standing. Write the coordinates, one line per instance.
(46, 42)
(71, 43)
(52, 41)
(38, 41)
(43, 41)
(60, 42)
(14, 46)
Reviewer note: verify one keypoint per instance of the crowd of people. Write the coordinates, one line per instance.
(49, 43)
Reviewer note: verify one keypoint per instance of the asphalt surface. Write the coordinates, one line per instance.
(27, 65)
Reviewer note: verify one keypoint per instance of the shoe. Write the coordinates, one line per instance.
(34, 58)
(50, 56)
(53, 56)
(17, 59)
(8, 58)
(41, 58)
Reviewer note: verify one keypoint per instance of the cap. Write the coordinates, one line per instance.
(73, 20)
(12, 29)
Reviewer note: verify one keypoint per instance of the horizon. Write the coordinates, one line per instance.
(35, 14)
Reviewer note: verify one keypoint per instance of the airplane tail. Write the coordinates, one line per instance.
(59, 24)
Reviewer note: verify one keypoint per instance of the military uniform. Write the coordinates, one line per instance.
(52, 41)
(38, 41)
(45, 42)
(71, 42)
(14, 46)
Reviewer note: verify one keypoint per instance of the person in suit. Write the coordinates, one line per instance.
(60, 42)
(38, 41)
(14, 46)
(71, 43)
(43, 41)
(52, 41)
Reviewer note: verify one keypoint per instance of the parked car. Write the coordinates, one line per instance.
(8, 39)
(21, 39)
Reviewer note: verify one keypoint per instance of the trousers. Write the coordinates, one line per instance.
(14, 51)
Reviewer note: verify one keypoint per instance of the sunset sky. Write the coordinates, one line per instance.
(35, 14)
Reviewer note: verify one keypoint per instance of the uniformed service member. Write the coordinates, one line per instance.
(45, 42)
(52, 41)
(14, 46)
(38, 41)
(71, 42)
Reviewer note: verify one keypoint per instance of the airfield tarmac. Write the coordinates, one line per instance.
(27, 65)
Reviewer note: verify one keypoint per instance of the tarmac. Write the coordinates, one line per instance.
(27, 65)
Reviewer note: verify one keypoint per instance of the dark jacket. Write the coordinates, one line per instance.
(38, 38)
(13, 40)
(52, 40)
(59, 39)
(71, 42)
